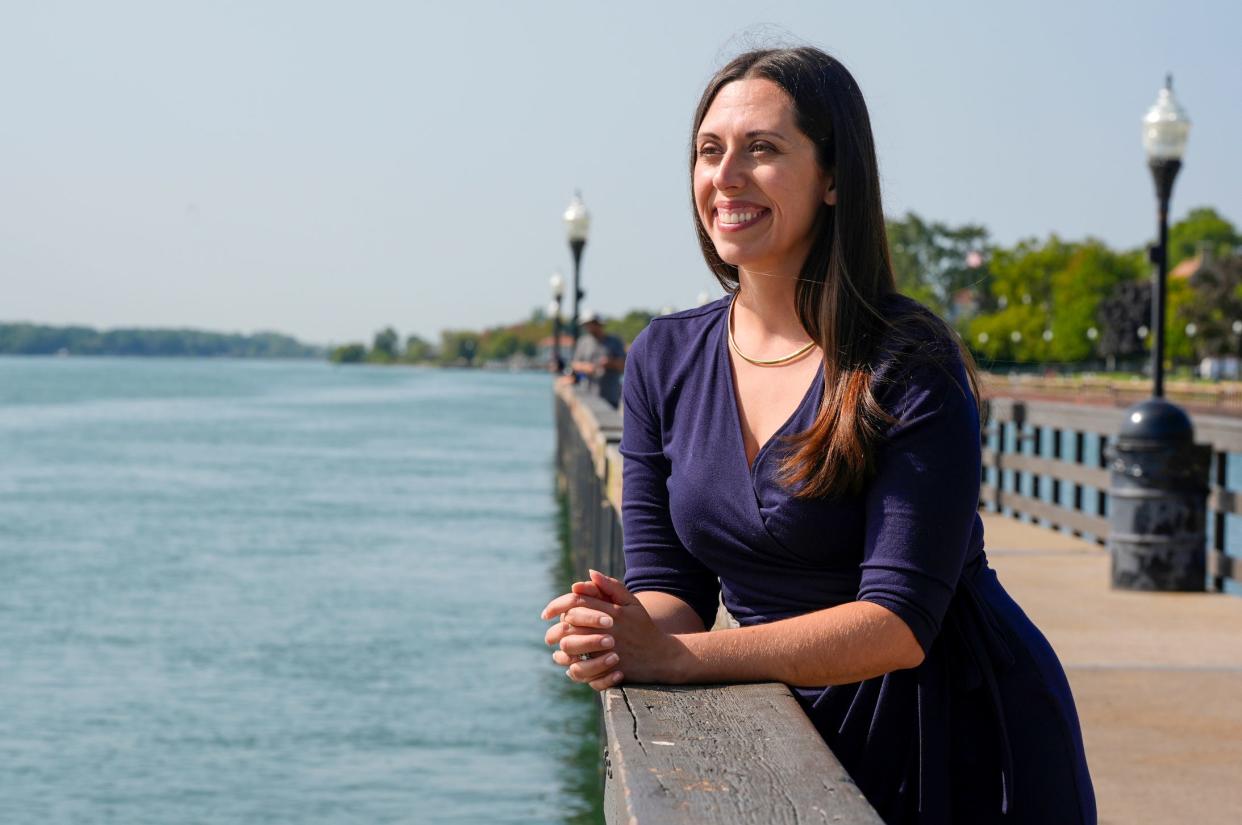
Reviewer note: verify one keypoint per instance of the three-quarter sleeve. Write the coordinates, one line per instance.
(921, 507)
(655, 558)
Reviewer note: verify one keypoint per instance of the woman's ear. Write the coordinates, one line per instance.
(830, 196)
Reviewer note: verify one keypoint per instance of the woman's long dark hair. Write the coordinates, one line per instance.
(847, 273)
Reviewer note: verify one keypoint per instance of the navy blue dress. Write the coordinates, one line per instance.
(985, 729)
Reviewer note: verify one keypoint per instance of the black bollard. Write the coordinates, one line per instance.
(1158, 500)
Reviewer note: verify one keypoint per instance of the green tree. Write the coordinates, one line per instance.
(1203, 225)
(458, 347)
(498, 344)
(1178, 345)
(348, 354)
(384, 347)
(933, 261)
(1089, 277)
(1022, 281)
(1214, 305)
(418, 350)
(1046, 296)
(1122, 313)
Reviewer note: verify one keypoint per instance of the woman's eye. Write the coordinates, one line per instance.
(708, 150)
(762, 147)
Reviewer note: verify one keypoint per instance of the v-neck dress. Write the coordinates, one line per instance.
(985, 729)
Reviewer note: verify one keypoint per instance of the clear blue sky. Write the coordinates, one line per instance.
(325, 169)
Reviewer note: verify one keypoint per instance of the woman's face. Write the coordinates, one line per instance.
(757, 181)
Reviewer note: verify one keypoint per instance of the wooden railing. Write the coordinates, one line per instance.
(743, 753)
(1045, 461)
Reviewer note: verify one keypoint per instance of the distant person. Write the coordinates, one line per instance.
(599, 359)
(807, 449)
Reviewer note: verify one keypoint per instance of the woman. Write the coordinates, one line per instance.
(807, 447)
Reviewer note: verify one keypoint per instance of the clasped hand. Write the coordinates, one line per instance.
(602, 618)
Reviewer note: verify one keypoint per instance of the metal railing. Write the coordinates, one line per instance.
(1045, 460)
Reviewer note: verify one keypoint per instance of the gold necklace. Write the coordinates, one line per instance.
(759, 362)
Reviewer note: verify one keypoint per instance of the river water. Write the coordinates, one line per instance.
(282, 592)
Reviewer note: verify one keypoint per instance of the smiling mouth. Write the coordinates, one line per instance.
(733, 220)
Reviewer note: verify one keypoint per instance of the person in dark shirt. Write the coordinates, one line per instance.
(807, 451)
(599, 359)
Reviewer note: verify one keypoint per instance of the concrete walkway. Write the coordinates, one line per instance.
(1157, 677)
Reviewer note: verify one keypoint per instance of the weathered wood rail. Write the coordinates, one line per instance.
(1045, 461)
(743, 753)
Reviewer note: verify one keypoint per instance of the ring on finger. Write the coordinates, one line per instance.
(584, 657)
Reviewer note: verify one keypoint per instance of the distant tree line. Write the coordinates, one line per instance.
(505, 343)
(35, 339)
(1050, 301)
(1055, 301)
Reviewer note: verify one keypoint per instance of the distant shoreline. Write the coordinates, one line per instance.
(41, 339)
(54, 356)
(421, 365)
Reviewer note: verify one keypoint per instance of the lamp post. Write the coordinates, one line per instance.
(1158, 475)
(558, 292)
(577, 222)
(1165, 128)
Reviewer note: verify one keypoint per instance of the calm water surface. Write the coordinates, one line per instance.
(266, 592)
